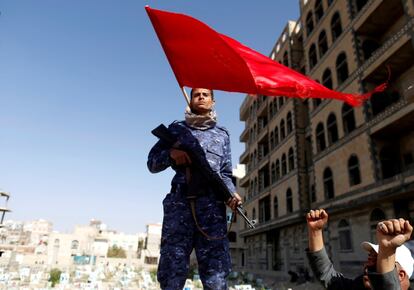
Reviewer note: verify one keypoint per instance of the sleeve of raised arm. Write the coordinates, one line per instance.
(324, 271)
(158, 158)
(227, 168)
(386, 281)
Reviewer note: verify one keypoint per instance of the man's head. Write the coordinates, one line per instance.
(404, 262)
(202, 101)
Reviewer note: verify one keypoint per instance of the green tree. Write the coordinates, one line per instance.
(54, 276)
(116, 252)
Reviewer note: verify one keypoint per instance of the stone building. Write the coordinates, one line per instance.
(358, 163)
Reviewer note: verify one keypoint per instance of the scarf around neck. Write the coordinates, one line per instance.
(199, 121)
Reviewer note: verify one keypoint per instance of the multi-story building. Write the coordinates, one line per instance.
(358, 163)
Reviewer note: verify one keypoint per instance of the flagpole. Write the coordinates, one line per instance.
(187, 99)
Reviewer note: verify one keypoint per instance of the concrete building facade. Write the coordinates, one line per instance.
(358, 163)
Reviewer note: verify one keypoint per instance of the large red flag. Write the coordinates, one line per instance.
(202, 57)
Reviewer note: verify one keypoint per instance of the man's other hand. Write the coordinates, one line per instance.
(180, 157)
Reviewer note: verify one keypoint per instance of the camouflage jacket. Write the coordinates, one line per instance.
(215, 143)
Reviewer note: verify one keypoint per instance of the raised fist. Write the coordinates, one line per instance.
(393, 233)
(316, 219)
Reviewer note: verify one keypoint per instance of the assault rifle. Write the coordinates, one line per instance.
(202, 166)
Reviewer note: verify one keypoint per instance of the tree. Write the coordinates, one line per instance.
(54, 276)
(116, 252)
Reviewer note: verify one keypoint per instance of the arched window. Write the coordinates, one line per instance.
(275, 207)
(289, 201)
(332, 129)
(254, 214)
(345, 239)
(232, 237)
(276, 135)
(368, 48)
(348, 118)
(328, 183)
(289, 123)
(377, 215)
(277, 169)
(273, 172)
(341, 68)
(327, 78)
(309, 23)
(282, 130)
(313, 58)
(272, 140)
(256, 188)
(336, 26)
(353, 170)
(291, 160)
(320, 137)
(274, 105)
(285, 59)
(74, 245)
(322, 44)
(318, 10)
(284, 171)
(281, 101)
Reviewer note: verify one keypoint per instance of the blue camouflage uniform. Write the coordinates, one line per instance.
(179, 232)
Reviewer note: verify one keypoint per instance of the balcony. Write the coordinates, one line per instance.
(244, 137)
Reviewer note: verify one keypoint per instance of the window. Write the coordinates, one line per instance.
(313, 58)
(281, 102)
(348, 118)
(291, 160)
(318, 10)
(285, 59)
(390, 161)
(289, 201)
(272, 140)
(327, 79)
(328, 183)
(75, 245)
(282, 130)
(381, 101)
(322, 44)
(275, 207)
(359, 4)
(377, 215)
(316, 102)
(254, 214)
(320, 137)
(289, 123)
(368, 48)
(336, 26)
(232, 237)
(283, 164)
(344, 232)
(341, 68)
(332, 129)
(309, 23)
(277, 169)
(273, 173)
(353, 170)
(276, 135)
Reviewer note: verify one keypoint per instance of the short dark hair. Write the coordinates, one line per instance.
(191, 92)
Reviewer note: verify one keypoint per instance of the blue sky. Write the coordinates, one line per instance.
(82, 83)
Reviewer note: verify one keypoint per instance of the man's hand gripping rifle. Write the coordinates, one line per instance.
(200, 165)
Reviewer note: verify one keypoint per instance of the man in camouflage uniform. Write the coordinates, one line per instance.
(180, 234)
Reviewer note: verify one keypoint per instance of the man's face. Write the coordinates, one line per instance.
(370, 264)
(201, 101)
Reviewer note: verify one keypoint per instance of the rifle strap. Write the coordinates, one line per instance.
(192, 200)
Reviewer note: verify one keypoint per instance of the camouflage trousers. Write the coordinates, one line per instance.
(180, 236)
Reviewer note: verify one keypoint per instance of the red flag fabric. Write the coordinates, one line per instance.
(203, 58)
